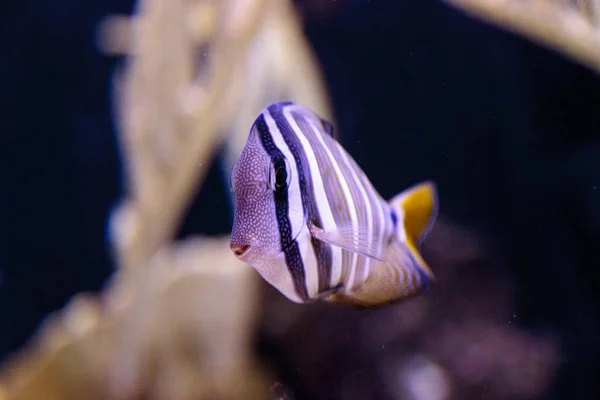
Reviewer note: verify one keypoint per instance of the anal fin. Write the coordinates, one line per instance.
(400, 277)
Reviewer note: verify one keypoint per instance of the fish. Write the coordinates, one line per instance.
(310, 222)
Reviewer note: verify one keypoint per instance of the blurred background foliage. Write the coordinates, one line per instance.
(510, 131)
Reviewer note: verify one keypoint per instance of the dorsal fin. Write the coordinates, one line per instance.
(327, 126)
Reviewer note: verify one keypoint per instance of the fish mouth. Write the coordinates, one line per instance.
(239, 251)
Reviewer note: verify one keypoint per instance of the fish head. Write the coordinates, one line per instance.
(260, 182)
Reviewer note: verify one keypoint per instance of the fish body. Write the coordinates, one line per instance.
(310, 222)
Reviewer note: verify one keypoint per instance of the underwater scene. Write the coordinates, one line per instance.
(300, 200)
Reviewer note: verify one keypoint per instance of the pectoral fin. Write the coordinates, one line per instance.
(357, 240)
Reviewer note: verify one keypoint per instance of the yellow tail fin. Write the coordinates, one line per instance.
(416, 209)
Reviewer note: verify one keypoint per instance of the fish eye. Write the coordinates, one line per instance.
(279, 177)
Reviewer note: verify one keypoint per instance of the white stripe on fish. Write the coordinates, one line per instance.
(295, 212)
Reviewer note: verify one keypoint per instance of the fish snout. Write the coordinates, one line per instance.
(239, 249)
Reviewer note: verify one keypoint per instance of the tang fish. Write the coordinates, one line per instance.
(310, 222)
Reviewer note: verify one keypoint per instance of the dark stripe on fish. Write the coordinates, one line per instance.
(293, 258)
(321, 250)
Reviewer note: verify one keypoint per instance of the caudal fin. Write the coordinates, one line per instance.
(416, 209)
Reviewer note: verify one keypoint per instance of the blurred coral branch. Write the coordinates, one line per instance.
(171, 103)
(177, 319)
(571, 27)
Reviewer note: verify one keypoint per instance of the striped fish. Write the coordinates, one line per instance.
(311, 223)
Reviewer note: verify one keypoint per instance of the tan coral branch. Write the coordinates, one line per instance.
(180, 329)
(570, 30)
